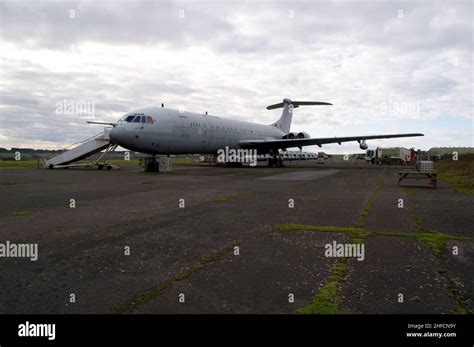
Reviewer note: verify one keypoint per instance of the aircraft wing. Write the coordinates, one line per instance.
(269, 143)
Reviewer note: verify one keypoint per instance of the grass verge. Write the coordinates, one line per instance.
(460, 173)
(14, 164)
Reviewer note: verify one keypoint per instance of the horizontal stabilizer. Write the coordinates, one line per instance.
(296, 104)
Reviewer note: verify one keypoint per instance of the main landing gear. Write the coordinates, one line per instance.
(275, 160)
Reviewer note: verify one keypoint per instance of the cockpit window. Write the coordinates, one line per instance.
(137, 119)
(149, 120)
(128, 119)
(143, 119)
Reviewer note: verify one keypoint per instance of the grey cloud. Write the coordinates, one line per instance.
(214, 25)
(48, 24)
(354, 54)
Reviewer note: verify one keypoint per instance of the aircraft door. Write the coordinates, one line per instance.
(181, 126)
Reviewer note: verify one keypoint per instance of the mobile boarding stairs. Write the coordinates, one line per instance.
(84, 149)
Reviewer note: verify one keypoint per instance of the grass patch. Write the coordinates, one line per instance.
(435, 240)
(184, 161)
(369, 203)
(19, 164)
(34, 163)
(410, 191)
(177, 161)
(459, 173)
(156, 292)
(418, 221)
(329, 298)
(461, 307)
(357, 235)
(22, 214)
(225, 198)
(121, 161)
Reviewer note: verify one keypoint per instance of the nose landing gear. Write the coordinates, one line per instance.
(151, 165)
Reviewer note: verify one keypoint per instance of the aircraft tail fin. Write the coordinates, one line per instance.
(284, 123)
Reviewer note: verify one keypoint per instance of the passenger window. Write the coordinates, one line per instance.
(149, 120)
(143, 119)
(137, 119)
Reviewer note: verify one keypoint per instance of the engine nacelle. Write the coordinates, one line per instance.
(363, 145)
(303, 135)
(291, 136)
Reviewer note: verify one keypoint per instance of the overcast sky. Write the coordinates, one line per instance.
(387, 67)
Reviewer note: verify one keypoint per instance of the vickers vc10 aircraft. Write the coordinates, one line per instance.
(166, 131)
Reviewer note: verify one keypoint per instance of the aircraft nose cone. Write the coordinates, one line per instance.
(114, 135)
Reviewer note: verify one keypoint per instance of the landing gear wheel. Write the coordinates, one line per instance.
(276, 162)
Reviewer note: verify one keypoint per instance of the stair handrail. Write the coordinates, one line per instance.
(80, 142)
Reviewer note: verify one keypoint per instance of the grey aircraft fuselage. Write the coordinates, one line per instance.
(176, 132)
(166, 131)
